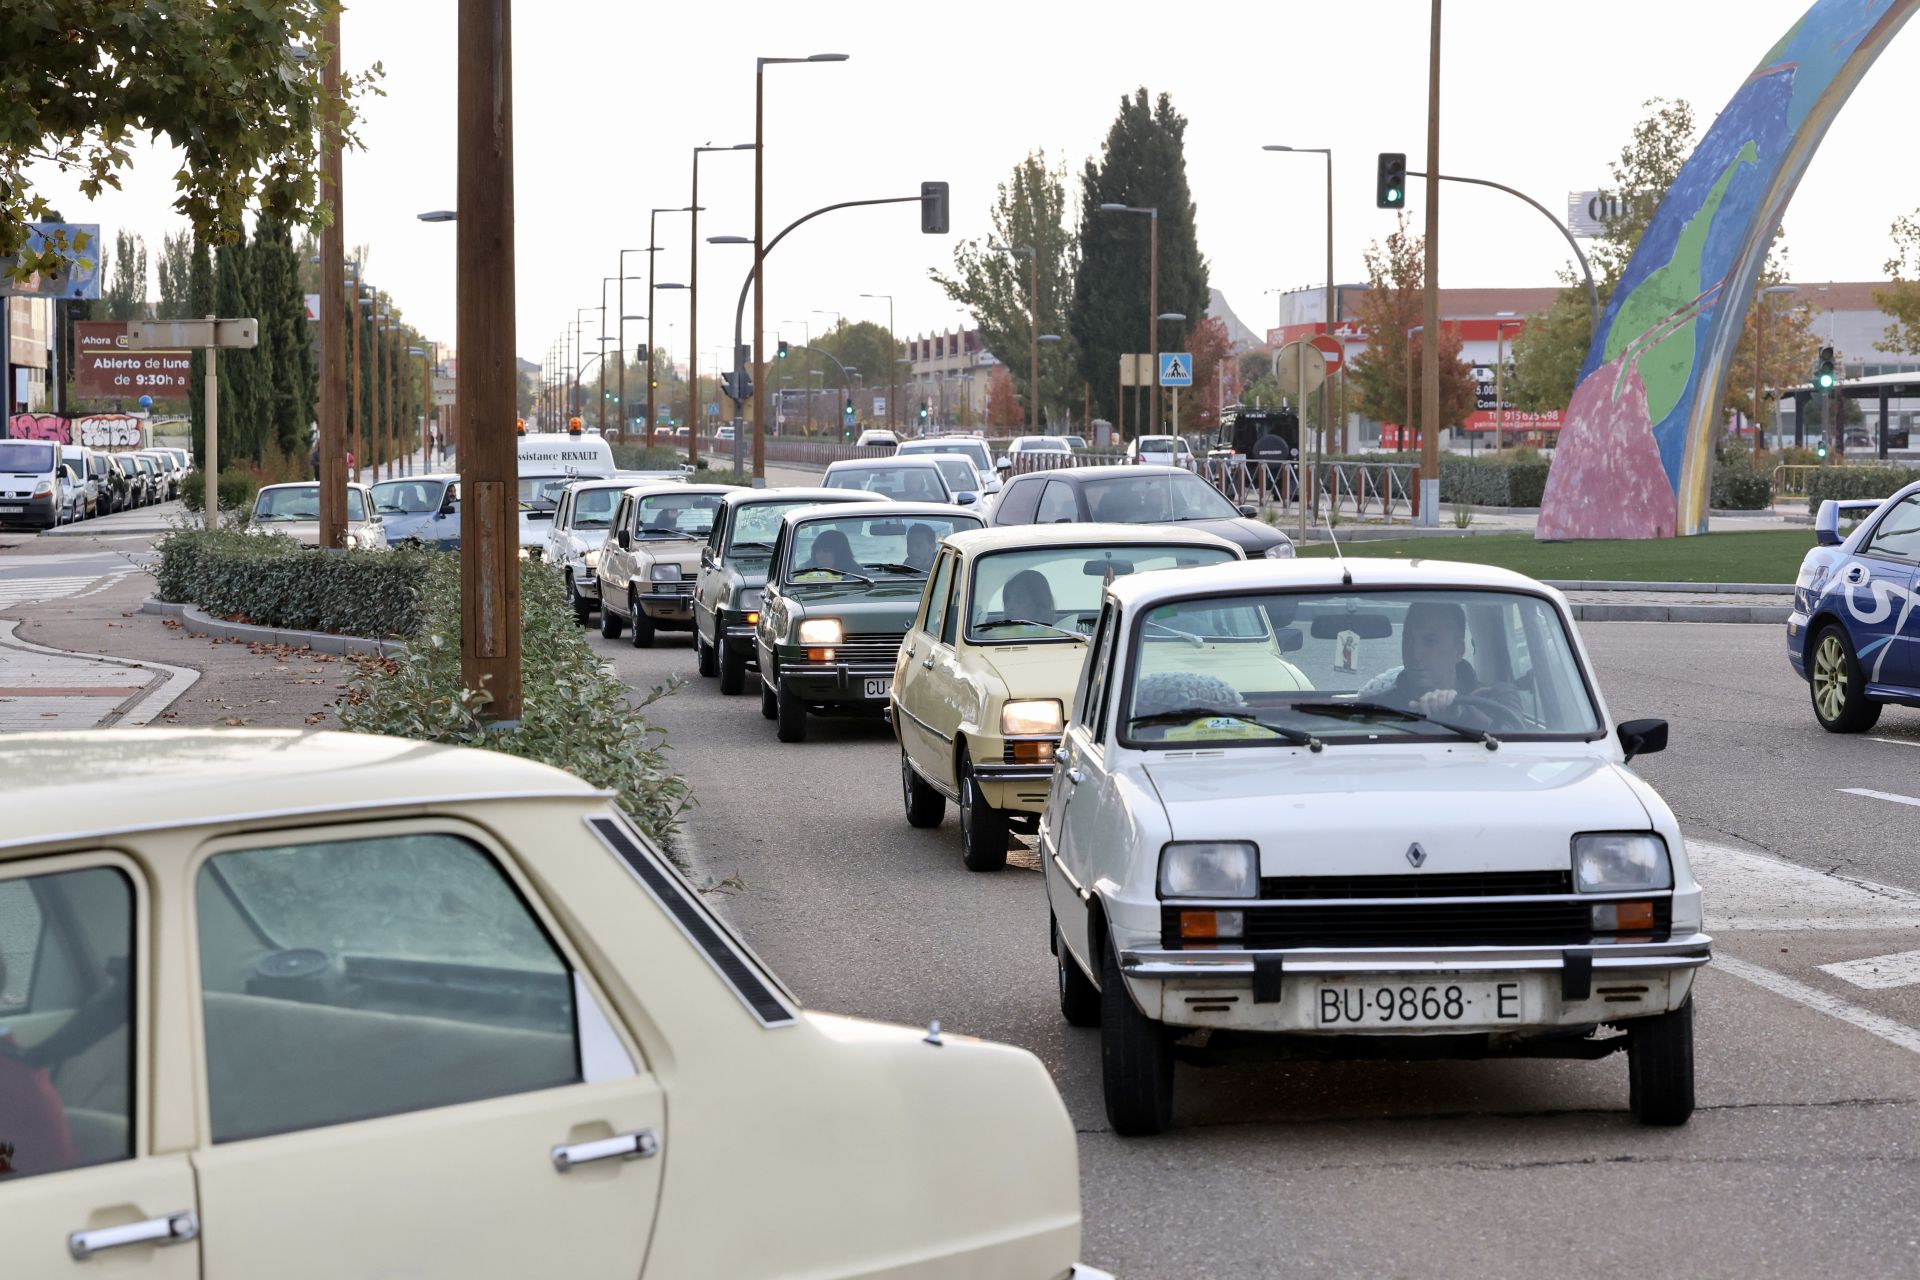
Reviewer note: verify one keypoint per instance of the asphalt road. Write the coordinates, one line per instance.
(1804, 1157)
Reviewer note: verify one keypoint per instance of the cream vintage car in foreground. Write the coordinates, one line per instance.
(293, 510)
(651, 558)
(324, 1005)
(991, 659)
(1363, 808)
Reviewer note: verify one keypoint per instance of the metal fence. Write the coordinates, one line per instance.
(1381, 491)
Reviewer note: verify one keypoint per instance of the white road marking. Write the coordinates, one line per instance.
(1833, 1006)
(30, 590)
(1897, 742)
(1877, 973)
(1882, 795)
(1747, 891)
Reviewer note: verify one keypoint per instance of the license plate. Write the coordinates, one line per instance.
(1365, 1005)
(877, 688)
(12, 511)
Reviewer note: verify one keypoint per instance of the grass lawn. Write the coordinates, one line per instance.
(1770, 556)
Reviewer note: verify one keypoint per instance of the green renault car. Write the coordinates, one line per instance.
(842, 587)
(733, 571)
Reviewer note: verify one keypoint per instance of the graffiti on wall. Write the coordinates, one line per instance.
(1635, 450)
(97, 431)
(39, 426)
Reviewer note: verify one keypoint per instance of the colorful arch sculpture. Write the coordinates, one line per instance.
(1636, 449)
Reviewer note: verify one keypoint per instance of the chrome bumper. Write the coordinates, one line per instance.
(1689, 952)
(1015, 772)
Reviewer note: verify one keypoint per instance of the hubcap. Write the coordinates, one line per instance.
(1829, 677)
(966, 807)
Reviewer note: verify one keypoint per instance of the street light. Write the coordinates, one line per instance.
(1153, 303)
(693, 302)
(760, 253)
(893, 393)
(653, 247)
(1326, 387)
(438, 215)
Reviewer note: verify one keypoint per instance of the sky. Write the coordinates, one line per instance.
(1537, 94)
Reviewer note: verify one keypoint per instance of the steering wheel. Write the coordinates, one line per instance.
(1501, 716)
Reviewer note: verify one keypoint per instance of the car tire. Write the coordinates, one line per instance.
(791, 716)
(582, 608)
(637, 619)
(1079, 998)
(732, 660)
(610, 622)
(925, 806)
(703, 655)
(769, 704)
(1660, 1067)
(1136, 1059)
(1838, 685)
(983, 828)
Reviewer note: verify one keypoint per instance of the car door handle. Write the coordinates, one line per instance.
(174, 1228)
(927, 662)
(911, 651)
(622, 1146)
(1076, 777)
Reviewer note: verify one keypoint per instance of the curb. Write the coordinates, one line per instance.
(199, 624)
(1691, 588)
(145, 705)
(1764, 614)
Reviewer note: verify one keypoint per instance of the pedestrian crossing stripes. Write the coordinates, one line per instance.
(19, 591)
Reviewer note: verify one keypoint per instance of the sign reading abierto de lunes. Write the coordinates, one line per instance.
(104, 367)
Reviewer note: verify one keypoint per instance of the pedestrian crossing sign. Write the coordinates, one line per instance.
(1176, 369)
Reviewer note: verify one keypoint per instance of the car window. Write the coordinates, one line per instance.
(26, 455)
(675, 515)
(1018, 502)
(756, 524)
(406, 496)
(1057, 505)
(350, 979)
(66, 1021)
(959, 474)
(849, 548)
(1100, 672)
(593, 508)
(1898, 533)
(908, 484)
(933, 606)
(1022, 596)
(950, 619)
(1156, 499)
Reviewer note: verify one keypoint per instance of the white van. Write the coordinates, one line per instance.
(31, 492)
(549, 461)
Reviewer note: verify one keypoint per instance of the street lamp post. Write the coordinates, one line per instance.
(653, 248)
(893, 392)
(693, 304)
(1326, 386)
(579, 363)
(759, 253)
(1153, 306)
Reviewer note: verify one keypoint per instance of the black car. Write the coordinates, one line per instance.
(1136, 495)
(116, 486)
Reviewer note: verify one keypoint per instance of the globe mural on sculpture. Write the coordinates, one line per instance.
(1635, 452)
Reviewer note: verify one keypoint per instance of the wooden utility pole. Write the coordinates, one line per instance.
(484, 390)
(333, 289)
(1430, 345)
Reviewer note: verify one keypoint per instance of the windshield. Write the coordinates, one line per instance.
(542, 493)
(974, 450)
(1041, 444)
(756, 524)
(302, 502)
(1353, 666)
(1022, 596)
(1163, 444)
(593, 508)
(1156, 499)
(407, 497)
(26, 455)
(958, 473)
(908, 484)
(854, 549)
(676, 515)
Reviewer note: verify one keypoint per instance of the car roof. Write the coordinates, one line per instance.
(1080, 475)
(431, 475)
(1333, 571)
(893, 462)
(304, 484)
(889, 511)
(648, 490)
(742, 497)
(1088, 534)
(164, 778)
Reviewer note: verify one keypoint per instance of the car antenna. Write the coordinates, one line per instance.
(1346, 574)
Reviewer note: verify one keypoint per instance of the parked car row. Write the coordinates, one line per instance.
(44, 484)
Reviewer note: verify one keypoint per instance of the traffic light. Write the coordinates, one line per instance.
(1820, 450)
(738, 386)
(1823, 377)
(783, 348)
(640, 354)
(849, 406)
(923, 411)
(1390, 190)
(933, 208)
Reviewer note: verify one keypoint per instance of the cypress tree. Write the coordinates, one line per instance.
(283, 339)
(241, 430)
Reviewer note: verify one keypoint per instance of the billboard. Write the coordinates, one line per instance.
(78, 244)
(104, 367)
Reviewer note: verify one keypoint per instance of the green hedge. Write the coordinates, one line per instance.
(273, 581)
(1741, 490)
(238, 489)
(1857, 482)
(1493, 482)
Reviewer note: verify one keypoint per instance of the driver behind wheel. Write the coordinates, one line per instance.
(34, 1137)
(1436, 673)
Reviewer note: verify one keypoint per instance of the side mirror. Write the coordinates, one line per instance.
(966, 499)
(1003, 463)
(1642, 737)
(624, 540)
(1248, 510)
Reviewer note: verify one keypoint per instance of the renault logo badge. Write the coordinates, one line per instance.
(1416, 855)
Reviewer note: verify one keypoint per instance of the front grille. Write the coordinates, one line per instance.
(1420, 924)
(1446, 884)
(863, 648)
(678, 587)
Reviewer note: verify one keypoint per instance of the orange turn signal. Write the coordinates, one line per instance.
(819, 655)
(1623, 917)
(1033, 753)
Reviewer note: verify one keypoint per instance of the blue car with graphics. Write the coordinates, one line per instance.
(1853, 635)
(420, 510)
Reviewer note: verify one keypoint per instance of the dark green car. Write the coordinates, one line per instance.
(841, 590)
(733, 570)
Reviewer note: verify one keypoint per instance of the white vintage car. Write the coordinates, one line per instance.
(575, 539)
(321, 1005)
(293, 510)
(1372, 807)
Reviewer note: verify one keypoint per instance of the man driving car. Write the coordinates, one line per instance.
(1435, 673)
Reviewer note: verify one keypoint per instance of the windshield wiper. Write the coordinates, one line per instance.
(915, 570)
(671, 533)
(742, 546)
(1026, 622)
(845, 573)
(1350, 710)
(1188, 636)
(1186, 715)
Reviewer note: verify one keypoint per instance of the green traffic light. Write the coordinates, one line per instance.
(1393, 195)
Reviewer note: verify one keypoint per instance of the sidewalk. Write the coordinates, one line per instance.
(43, 688)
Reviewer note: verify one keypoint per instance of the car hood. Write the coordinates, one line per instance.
(1251, 536)
(1358, 810)
(684, 552)
(1036, 670)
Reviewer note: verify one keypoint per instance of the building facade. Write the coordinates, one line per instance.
(950, 373)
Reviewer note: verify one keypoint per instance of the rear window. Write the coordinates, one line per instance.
(35, 456)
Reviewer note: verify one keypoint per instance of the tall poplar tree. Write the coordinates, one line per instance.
(1142, 164)
(125, 294)
(242, 428)
(284, 357)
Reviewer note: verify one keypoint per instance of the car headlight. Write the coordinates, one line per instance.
(1210, 869)
(1032, 715)
(820, 631)
(750, 600)
(592, 558)
(1280, 551)
(353, 540)
(44, 487)
(523, 553)
(1620, 862)
(664, 573)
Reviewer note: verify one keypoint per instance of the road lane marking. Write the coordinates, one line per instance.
(1882, 795)
(1897, 742)
(1748, 891)
(1887, 1029)
(1877, 973)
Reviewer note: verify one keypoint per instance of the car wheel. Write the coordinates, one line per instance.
(925, 806)
(610, 622)
(1839, 687)
(769, 704)
(733, 667)
(791, 713)
(1079, 998)
(1136, 1059)
(983, 828)
(637, 618)
(582, 609)
(1660, 1067)
(703, 654)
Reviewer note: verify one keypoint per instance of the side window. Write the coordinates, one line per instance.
(66, 1021)
(1100, 673)
(620, 514)
(1017, 502)
(717, 536)
(934, 605)
(351, 979)
(1082, 697)
(563, 518)
(1898, 534)
(950, 617)
(1057, 504)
